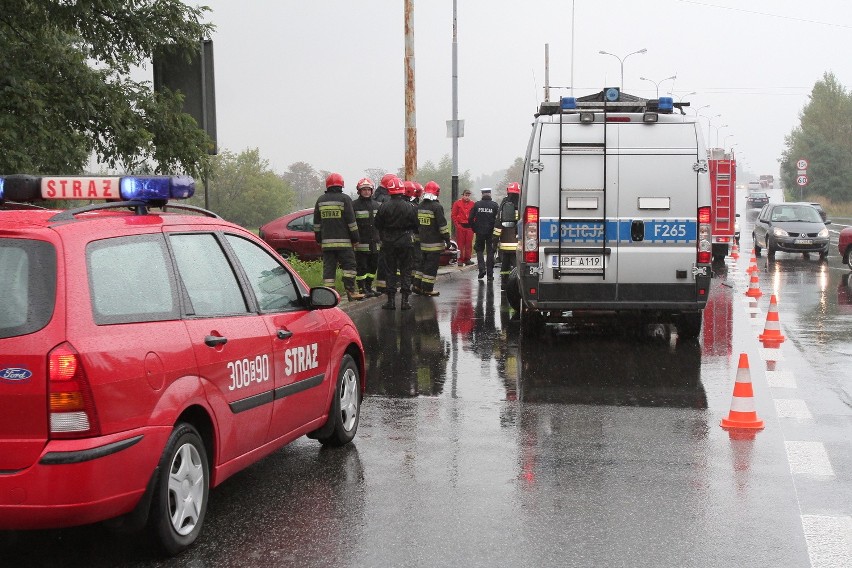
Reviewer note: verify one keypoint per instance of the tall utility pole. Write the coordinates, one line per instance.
(453, 127)
(410, 116)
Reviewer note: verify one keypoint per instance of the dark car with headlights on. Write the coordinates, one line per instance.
(790, 227)
(757, 199)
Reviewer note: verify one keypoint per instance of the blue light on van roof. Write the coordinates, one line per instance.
(567, 103)
(156, 188)
(2, 182)
(666, 103)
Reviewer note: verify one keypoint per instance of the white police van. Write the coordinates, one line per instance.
(615, 214)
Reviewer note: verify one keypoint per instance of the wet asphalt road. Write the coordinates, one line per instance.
(596, 446)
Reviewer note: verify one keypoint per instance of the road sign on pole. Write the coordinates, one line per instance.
(801, 164)
(801, 180)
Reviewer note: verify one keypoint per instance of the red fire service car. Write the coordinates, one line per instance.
(148, 351)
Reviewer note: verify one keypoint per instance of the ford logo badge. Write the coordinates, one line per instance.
(15, 374)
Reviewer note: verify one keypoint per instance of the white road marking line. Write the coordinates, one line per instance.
(829, 540)
(771, 354)
(780, 379)
(792, 408)
(808, 458)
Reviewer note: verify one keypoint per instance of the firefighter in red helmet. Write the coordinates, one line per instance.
(367, 250)
(434, 237)
(336, 231)
(396, 221)
(505, 229)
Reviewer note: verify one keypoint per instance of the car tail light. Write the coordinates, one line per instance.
(705, 247)
(71, 405)
(531, 235)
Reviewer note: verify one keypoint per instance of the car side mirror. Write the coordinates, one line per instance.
(323, 298)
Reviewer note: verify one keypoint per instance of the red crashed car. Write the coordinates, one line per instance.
(293, 235)
(844, 245)
(147, 356)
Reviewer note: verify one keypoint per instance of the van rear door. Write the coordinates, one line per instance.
(587, 178)
(657, 208)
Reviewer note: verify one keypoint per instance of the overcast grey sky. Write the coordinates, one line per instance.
(321, 81)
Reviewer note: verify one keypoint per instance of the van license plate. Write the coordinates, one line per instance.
(803, 242)
(579, 263)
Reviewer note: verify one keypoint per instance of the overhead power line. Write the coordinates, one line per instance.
(792, 18)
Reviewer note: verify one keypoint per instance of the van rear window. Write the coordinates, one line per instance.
(28, 284)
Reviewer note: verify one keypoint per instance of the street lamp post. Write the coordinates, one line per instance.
(681, 97)
(710, 125)
(718, 128)
(657, 83)
(621, 61)
(725, 140)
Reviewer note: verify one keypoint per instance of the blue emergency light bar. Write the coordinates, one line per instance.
(2, 183)
(147, 189)
(666, 104)
(568, 103)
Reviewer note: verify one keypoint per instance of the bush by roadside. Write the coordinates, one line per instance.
(311, 273)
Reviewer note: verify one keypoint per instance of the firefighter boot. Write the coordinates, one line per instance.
(354, 295)
(389, 305)
(405, 305)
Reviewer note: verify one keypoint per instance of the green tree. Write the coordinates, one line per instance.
(442, 174)
(66, 92)
(824, 138)
(306, 183)
(243, 189)
(515, 173)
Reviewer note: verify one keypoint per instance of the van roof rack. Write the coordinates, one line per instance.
(613, 100)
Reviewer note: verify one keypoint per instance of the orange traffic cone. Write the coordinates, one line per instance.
(752, 263)
(735, 252)
(743, 414)
(754, 287)
(771, 336)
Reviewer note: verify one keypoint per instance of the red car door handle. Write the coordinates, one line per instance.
(284, 334)
(294, 239)
(215, 340)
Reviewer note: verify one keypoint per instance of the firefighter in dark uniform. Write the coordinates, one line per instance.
(506, 230)
(482, 218)
(381, 195)
(396, 222)
(367, 249)
(417, 257)
(336, 230)
(434, 237)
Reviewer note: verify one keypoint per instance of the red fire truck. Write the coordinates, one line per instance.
(723, 183)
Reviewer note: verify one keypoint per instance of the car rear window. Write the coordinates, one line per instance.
(28, 284)
(130, 280)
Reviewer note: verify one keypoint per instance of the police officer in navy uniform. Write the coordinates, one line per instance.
(482, 218)
(367, 249)
(396, 221)
(336, 230)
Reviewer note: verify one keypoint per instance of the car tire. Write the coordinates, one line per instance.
(689, 325)
(184, 479)
(756, 248)
(823, 254)
(770, 250)
(513, 290)
(847, 258)
(345, 405)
